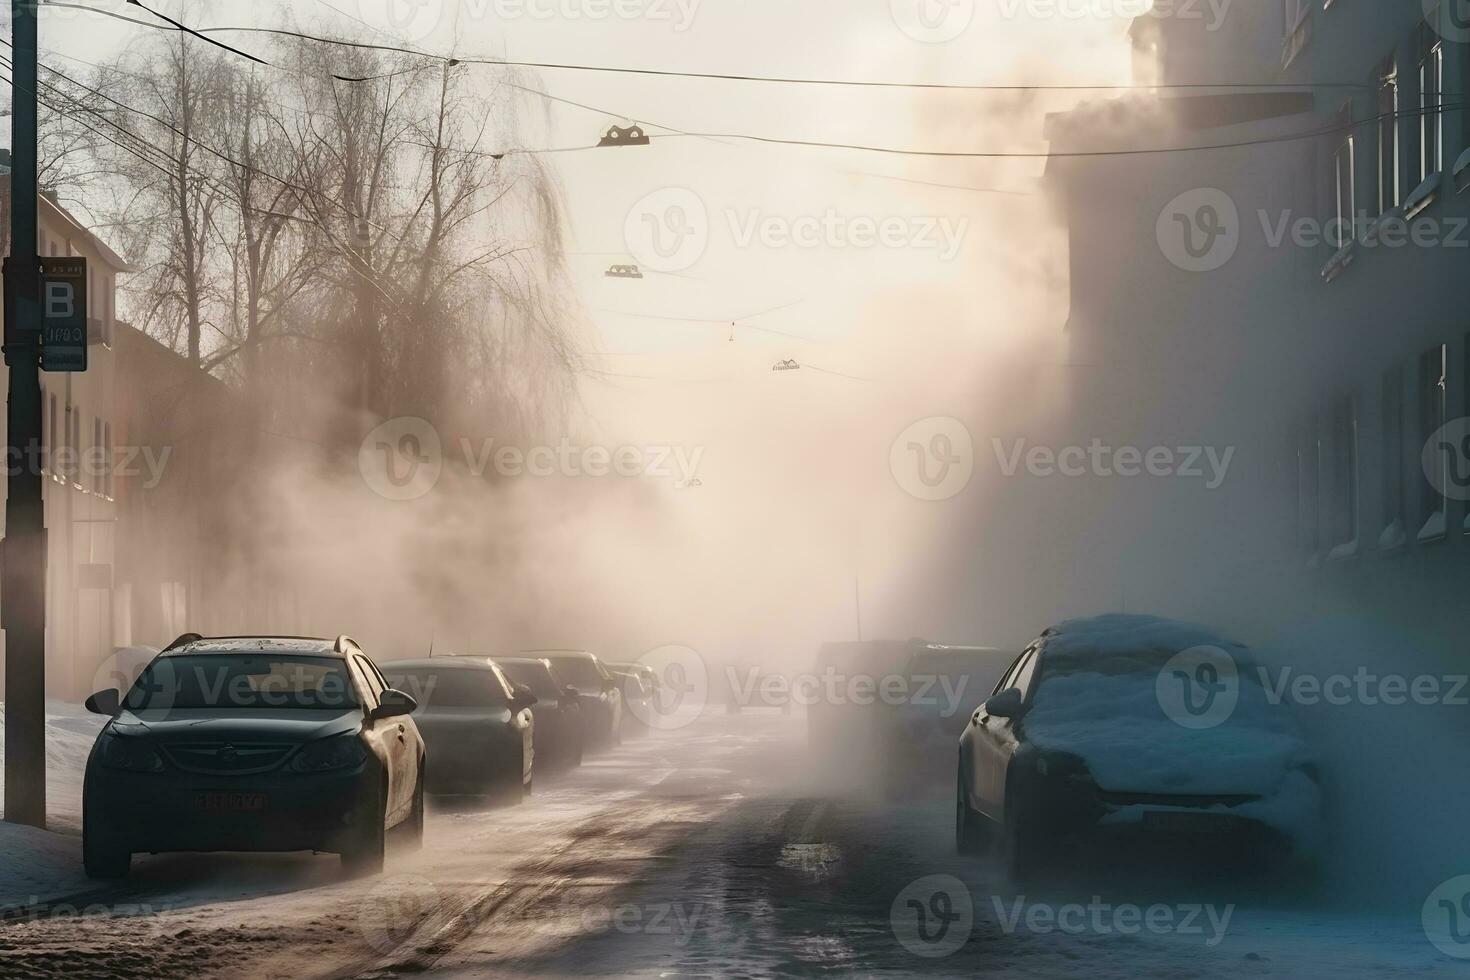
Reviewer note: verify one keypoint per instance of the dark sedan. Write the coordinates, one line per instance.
(476, 722)
(602, 702)
(1094, 732)
(557, 714)
(252, 744)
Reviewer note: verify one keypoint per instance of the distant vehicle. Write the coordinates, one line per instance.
(844, 718)
(602, 702)
(638, 695)
(476, 722)
(941, 687)
(253, 744)
(1076, 743)
(557, 713)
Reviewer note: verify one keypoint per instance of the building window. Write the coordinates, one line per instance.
(107, 485)
(1346, 184)
(1308, 468)
(48, 462)
(74, 440)
(1388, 137)
(1431, 104)
(1391, 399)
(1432, 405)
(1345, 478)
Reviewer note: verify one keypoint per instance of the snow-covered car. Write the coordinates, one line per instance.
(1094, 730)
(476, 723)
(252, 744)
(638, 696)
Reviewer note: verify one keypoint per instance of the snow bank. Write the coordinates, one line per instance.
(38, 865)
(70, 732)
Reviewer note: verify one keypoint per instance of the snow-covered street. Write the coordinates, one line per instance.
(710, 851)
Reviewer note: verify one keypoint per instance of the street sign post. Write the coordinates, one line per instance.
(63, 314)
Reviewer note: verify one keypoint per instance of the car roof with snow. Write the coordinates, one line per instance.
(298, 646)
(1130, 634)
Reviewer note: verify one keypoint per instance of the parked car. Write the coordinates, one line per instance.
(557, 714)
(602, 702)
(638, 696)
(941, 687)
(252, 744)
(1077, 742)
(476, 722)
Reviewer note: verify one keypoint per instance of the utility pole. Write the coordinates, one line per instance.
(23, 561)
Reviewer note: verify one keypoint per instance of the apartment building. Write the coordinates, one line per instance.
(1284, 275)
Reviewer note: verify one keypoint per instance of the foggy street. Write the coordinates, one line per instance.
(735, 489)
(712, 852)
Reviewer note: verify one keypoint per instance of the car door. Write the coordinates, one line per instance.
(392, 735)
(976, 764)
(995, 742)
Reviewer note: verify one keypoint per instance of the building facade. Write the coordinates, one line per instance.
(1282, 275)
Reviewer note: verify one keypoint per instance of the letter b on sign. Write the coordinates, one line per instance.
(61, 300)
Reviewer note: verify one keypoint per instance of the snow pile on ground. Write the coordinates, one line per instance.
(1099, 700)
(70, 732)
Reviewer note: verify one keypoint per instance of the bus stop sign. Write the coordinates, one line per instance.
(63, 314)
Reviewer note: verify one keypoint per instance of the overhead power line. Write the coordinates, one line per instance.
(202, 32)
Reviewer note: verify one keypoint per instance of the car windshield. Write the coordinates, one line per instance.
(536, 676)
(449, 687)
(579, 672)
(243, 680)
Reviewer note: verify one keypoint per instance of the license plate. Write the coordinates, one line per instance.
(1190, 823)
(230, 802)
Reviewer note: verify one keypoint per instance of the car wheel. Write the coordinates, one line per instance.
(1021, 851)
(363, 854)
(102, 856)
(969, 838)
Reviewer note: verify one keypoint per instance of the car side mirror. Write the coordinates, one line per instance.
(104, 702)
(572, 694)
(394, 704)
(522, 698)
(1007, 704)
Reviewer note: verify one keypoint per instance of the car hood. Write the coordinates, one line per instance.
(1130, 746)
(282, 725)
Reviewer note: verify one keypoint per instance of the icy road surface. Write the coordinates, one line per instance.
(707, 852)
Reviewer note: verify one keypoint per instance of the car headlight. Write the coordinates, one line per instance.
(337, 752)
(1062, 765)
(131, 754)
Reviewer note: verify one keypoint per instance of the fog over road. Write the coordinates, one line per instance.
(713, 851)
